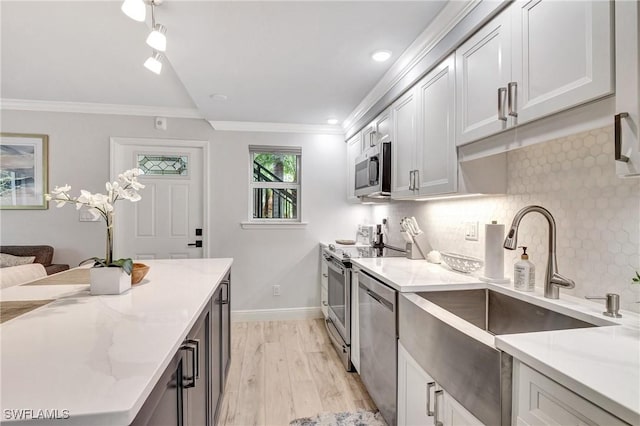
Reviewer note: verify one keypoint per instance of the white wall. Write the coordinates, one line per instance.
(289, 257)
(597, 215)
(79, 156)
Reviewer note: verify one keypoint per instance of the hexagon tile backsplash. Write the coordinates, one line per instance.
(597, 215)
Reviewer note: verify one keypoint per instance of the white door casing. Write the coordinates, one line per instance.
(163, 222)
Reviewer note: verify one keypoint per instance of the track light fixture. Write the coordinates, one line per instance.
(157, 39)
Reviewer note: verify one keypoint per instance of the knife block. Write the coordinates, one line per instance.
(412, 252)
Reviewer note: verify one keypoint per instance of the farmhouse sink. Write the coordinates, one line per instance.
(498, 313)
(454, 342)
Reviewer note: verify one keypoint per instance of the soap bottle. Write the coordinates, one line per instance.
(524, 273)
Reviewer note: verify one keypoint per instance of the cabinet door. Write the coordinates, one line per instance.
(628, 85)
(403, 113)
(414, 384)
(216, 354)
(483, 65)
(562, 55)
(369, 137)
(355, 320)
(456, 415)
(198, 376)
(164, 406)
(354, 149)
(538, 400)
(225, 326)
(436, 147)
(384, 127)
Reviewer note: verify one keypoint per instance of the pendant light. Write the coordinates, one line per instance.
(157, 38)
(135, 9)
(154, 63)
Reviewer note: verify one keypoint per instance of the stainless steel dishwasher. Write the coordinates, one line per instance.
(378, 343)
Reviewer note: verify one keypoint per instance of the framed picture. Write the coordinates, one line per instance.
(23, 171)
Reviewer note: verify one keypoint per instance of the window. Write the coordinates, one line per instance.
(275, 184)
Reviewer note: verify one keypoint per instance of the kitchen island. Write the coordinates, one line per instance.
(95, 360)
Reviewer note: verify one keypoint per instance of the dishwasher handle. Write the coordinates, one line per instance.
(378, 298)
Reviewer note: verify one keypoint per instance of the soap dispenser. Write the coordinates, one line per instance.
(524, 273)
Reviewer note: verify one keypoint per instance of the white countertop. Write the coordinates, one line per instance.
(601, 363)
(99, 357)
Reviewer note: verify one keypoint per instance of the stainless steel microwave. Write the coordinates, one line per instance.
(373, 172)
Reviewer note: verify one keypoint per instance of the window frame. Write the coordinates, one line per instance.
(268, 149)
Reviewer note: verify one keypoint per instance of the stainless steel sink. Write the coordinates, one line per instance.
(498, 313)
(463, 359)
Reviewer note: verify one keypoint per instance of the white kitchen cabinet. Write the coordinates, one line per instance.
(436, 157)
(355, 320)
(534, 59)
(383, 127)
(403, 113)
(354, 149)
(627, 132)
(562, 55)
(483, 66)
(538, 400)
(413, 385)
(422, 401)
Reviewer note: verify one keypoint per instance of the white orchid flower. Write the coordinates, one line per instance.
(60, 203)
(61, 189)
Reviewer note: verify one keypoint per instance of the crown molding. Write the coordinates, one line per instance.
(97, 108)
(444, 22)
(254, 126)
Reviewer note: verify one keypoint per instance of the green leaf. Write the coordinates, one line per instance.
(126, 264)
(636, 279)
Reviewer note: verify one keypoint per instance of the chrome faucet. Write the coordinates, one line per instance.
(553, 280)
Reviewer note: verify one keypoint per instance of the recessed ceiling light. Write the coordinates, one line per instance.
(332, 121)
(218, 97)
(381, 55)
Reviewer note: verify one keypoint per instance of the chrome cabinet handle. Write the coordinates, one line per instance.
(430, 386)
(190, 381)
(416, 180)
(325, 275)
(225, 300)
(502, 92)
(196, 343)
(371, 136)
(436, 415)
(512, 99)
(411, 180)
(618, 137)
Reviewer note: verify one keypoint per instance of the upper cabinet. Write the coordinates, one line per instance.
(627, 118)
(436, 157)
(534, 59)
(354, 149)
(403, 146)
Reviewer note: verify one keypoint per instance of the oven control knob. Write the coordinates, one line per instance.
(346, 255)
(332, 247)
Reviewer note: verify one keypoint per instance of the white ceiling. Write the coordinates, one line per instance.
(288, 62)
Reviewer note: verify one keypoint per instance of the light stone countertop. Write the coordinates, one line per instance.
(99, 357)
(601, 363)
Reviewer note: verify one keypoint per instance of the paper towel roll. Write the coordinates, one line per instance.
(494, 251)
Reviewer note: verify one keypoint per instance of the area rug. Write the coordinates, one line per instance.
(350, 418)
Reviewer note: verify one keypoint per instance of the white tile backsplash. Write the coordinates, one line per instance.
(597, 215)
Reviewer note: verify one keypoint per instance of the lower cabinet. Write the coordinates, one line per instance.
(538, 400)
(324, 285)
(422, 401)
(355, 319)
(190, 390)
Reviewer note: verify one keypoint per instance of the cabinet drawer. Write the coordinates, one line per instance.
(538, 400)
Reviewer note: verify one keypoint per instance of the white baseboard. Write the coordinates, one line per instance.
(276, 314)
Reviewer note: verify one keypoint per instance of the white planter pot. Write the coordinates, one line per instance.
(109, 281)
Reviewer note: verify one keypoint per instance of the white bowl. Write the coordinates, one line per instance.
(461, 263)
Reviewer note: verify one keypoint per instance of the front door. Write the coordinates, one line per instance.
(167, 223)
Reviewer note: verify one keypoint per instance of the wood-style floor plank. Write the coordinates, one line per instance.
(282, 370)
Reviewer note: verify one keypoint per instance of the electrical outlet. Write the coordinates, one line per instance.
(276, 290)
(471, 231)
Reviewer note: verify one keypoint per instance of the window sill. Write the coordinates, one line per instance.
(273, 225)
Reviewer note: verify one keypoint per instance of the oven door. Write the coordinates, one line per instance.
(339, 298)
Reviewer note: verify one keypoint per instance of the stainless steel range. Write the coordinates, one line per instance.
(338, 321)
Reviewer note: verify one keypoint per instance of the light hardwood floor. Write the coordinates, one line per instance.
(282, 370)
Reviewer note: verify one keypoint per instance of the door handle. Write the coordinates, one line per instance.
(618, 137)
(430, 386)
(196, 244)
(190, 381)
(512, 98)
(502, 92)
(436, 415)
